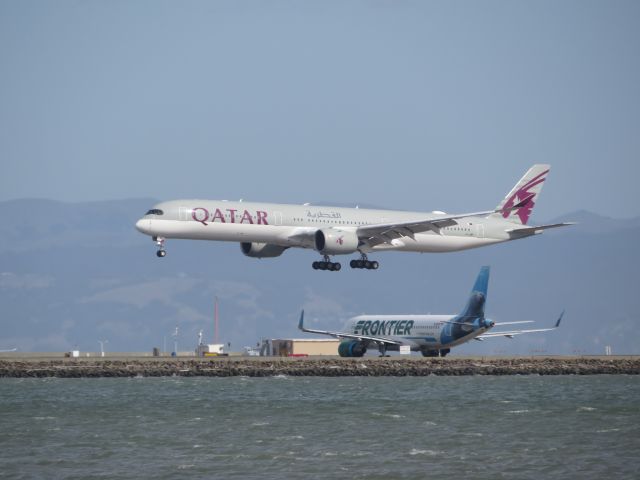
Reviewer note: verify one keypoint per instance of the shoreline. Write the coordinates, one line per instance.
(313, 366)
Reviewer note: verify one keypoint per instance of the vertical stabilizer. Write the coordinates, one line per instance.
(526, 192)
(475, 304)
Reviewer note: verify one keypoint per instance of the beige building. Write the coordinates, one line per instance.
(304, 346)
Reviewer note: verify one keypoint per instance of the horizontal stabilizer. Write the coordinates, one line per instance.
(512, 333)
(497, 324)
(537, 228)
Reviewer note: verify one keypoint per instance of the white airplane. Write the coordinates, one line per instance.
(266, 229)
(432, 335)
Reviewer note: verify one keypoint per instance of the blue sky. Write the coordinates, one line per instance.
(402, 104)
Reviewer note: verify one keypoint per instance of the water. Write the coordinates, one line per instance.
(527, 427)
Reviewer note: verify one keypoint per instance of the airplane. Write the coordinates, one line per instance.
(266, 230)
(432, 335)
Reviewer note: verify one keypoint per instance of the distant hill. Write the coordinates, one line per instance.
(75, 273)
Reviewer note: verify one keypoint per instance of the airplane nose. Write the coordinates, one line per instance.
(143, 225)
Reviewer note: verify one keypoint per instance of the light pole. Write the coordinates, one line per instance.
(175, 342)
(102, 342)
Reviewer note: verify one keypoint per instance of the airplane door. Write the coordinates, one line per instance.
(278, 218)
(183, 214)
(479, 230)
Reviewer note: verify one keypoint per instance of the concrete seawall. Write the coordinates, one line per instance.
(325, 367)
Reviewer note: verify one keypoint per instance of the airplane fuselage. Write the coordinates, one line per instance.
(289, 225)
(420, 332)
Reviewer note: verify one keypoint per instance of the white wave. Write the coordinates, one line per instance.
(586, 409)
(388, 415)
(260, 424)
(429, 453)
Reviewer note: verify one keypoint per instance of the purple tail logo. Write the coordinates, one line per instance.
(520, 195)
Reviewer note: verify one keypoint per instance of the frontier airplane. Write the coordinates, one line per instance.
(267, 230)
(432, 335)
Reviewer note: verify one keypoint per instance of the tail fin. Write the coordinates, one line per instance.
(526, 192)
(475, 304)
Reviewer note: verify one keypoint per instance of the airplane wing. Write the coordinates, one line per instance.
(380, 233)
(352, 336)
(513, 333)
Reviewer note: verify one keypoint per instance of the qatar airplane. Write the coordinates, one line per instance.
(266, 230)
(432, 335)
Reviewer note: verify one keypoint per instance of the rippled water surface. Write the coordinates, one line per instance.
(281, 427)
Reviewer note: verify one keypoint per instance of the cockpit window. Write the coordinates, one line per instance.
(155, 211)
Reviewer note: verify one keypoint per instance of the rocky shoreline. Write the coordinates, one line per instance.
(334, 367)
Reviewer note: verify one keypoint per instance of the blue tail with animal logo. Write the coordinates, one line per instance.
(475, 305)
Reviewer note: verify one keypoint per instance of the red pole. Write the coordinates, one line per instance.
(216, 322)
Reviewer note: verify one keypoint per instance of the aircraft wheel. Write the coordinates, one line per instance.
(161, 253)
(353, 264)
(322, 265)
(315, 265)
(367, 264)
(337, 267)
(374, 265)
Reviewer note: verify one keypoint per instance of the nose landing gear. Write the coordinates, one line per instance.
(364, 262)
(160, 243)
(326, 264)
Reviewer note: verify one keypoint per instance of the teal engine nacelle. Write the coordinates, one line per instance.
(351, 348)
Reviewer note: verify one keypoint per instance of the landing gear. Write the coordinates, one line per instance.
(326, 264)
(364, 262)
(435, 353)
(382, 348)
(160, 243)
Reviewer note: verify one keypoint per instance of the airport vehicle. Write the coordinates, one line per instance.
(266, 230)
(432, 335)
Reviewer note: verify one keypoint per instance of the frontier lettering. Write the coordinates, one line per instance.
(382, 327)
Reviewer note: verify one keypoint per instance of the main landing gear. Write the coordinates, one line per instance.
(326, 264)
(382, 348)
(160, 243)
(364, 262)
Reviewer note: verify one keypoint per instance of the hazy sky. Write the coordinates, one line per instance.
(402, 104)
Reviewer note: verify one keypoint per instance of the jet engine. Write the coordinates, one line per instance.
(261, 250)
(334, 242)
(351, 348)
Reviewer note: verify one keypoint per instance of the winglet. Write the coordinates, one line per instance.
(301, 321)
(559, 319)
